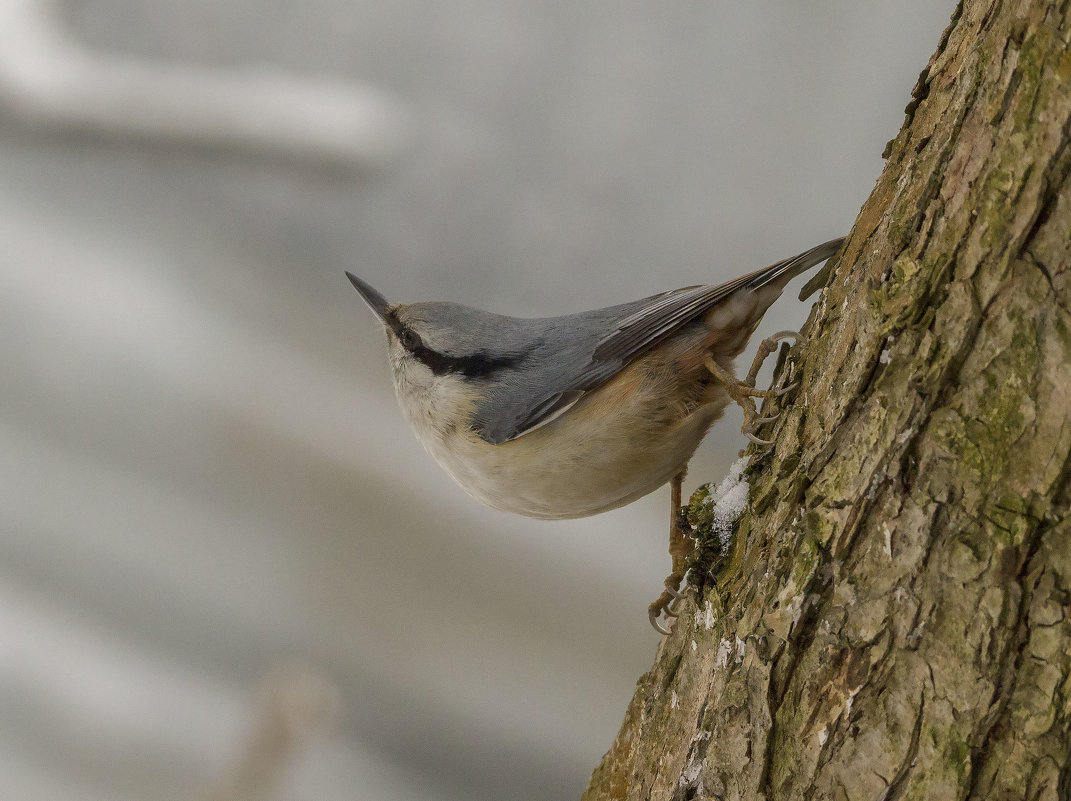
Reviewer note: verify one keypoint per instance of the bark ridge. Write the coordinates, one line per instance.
(893, 617)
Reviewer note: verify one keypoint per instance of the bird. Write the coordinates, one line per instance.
(569, 416)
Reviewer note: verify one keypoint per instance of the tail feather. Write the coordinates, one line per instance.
(788, 269)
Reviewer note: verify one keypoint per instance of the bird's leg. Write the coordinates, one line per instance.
(681, 546)
(743, 392)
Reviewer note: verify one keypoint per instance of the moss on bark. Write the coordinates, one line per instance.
(893, 617)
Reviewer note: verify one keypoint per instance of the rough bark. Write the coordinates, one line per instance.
(892, 619)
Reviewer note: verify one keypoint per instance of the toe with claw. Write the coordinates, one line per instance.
(655, 611)
(668, 604)
(744, 392)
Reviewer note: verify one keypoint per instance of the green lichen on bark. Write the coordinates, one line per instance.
(892, 618)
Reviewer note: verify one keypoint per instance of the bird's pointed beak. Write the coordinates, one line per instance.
(376, 302)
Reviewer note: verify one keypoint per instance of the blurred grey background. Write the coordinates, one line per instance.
(227, 569)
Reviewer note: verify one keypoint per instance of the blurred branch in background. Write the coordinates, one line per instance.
(49, 80)
(293, 705)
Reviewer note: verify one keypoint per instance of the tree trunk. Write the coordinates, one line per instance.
(892, 619)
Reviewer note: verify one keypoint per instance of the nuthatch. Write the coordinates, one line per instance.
(564, 417)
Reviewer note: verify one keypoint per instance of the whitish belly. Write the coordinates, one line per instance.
(595, 457)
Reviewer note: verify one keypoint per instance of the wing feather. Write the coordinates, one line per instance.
(618, 340)
(649, 325)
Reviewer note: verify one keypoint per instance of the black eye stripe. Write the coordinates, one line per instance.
(474, 365)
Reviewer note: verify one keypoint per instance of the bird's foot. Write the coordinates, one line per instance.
(766, 348)
(667, 605)
(744, 391)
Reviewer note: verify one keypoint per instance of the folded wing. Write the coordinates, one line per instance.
(600, 343)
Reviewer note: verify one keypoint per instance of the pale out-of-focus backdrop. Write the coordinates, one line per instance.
(227, 570)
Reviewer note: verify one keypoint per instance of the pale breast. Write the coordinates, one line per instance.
(618, 443)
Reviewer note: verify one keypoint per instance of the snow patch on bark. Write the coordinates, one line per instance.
(729, 500)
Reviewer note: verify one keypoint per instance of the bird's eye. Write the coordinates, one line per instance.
(410, 339)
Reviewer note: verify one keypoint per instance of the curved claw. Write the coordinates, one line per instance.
(758, 440)
(652, 615)
(783, 390)
(677, 596)
(793, 335)
(763, 420)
